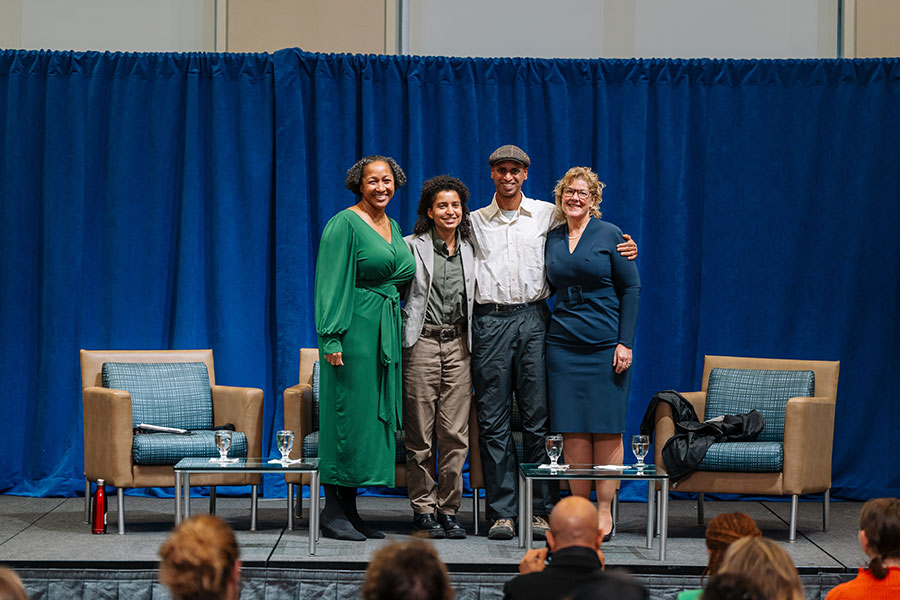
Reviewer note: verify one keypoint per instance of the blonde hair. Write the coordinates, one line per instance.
(199, 558)
(595, 187)
(11, 587)
(767, 564)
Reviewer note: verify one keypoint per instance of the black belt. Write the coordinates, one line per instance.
(443, 333)
(483, 309)
(575, 295)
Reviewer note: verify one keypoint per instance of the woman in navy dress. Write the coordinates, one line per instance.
(591, 335)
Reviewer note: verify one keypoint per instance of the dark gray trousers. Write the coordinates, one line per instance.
(508, 356)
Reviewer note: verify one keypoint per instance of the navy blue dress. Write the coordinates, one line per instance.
(596, 308)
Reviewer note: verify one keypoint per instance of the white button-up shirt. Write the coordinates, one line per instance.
(509, 256)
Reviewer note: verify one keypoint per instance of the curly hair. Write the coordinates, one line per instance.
(880, 520)
(355, 173)
(407, 571)
(721, 531)
(767, 564)
(198, 559)
(430, 190)
(595, 186)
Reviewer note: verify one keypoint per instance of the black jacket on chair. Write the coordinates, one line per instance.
(686, 449)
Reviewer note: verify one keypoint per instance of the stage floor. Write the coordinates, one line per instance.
(49, 533)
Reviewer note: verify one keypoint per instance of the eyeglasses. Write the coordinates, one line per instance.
(580, 194)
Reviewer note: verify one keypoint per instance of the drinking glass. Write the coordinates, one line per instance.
(554, 447)
(223, 443)
(285, 439)
(640, 445)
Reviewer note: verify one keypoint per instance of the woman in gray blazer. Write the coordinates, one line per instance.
(437, 332)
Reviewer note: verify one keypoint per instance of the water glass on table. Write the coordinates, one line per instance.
(640, 445)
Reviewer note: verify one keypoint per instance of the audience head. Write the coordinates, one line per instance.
(731, 586)
(574, 522)
(767, 564)
(721, 531)
(199, 561)
(11, 587)
(879, 534)
(407, 571)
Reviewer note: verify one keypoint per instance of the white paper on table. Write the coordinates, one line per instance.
(553, 466)
(610, 467)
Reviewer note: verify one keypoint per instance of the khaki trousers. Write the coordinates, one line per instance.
(437, 396)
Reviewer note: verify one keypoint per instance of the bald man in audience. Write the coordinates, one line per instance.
(573, 559)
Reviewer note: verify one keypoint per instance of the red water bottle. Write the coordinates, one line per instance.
(98, 516)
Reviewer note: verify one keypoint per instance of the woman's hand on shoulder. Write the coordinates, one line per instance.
(622, 359)
(335, 359)
(628, 248)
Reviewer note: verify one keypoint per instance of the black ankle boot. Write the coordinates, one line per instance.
(347, 496)
(334, 522)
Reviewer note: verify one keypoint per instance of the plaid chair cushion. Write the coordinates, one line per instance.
(744, 457)
(737, 391)
(169, 448)
(311, 446)
(167, 394)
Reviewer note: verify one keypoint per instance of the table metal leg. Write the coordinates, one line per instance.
(212, 499)
(521, 511)
(313, 511)
(177, 498)
(651, 492)
(290, 506)
(253, 496)
(187, 495)
(663, 519)
(529, 512)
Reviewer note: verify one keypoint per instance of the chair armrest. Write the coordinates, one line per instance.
(298, 414)
(108, 435)
(664, 423)
(243, 407)
(808, 437)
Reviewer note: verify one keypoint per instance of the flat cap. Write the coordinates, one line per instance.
(509, 152)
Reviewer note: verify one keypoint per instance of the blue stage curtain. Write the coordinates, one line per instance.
(763, 195)
(137, 213)
(177, 200)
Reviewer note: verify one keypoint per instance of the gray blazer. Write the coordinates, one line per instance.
(422, 248)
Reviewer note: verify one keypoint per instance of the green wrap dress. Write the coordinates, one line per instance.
(357, 306)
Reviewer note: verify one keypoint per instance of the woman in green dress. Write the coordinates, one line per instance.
(362, 262)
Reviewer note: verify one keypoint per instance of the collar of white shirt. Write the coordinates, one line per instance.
(526, 206)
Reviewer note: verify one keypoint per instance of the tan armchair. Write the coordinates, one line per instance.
(298, 407)
(108, 433)
(808, 435)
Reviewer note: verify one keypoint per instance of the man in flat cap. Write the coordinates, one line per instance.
(509, 327)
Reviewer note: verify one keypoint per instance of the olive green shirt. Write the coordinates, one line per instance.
(447, 300)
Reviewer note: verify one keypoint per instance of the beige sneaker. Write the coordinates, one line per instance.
(502, 529)
(539, 527)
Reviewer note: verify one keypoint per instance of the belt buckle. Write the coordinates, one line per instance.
(575, 294)
(447, 334)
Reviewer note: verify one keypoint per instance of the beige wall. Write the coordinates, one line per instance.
(877, 28)
(315, 25)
